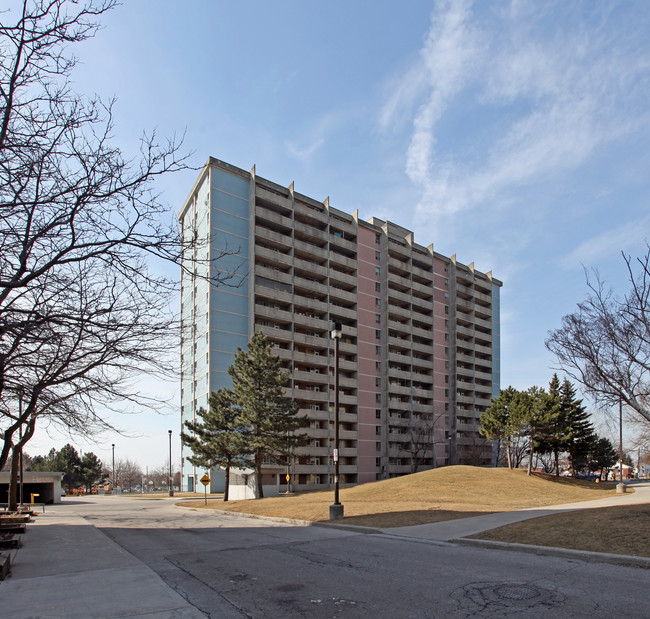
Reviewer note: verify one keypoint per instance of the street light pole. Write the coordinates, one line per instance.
(336, 508)
(171, 478)
(113, 446)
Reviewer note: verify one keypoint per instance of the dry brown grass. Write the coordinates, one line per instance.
(430, 496)
(623, 529)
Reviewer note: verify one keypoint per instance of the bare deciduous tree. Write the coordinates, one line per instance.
(605, 345)
(84, 304)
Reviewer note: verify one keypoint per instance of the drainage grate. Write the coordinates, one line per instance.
(516, 592)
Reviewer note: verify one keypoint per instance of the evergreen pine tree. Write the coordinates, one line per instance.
(218, 440)
(268, 417)
(502, 419)
(581, 436)
(601, 456)
(556, 437)
(90, 470)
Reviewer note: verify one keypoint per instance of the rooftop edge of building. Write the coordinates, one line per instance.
(399, 232)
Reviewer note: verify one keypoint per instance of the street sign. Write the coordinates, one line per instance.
(205, 480)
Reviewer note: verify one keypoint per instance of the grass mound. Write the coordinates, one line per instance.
(429, 496)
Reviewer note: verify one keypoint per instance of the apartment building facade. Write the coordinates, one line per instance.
(419, 356)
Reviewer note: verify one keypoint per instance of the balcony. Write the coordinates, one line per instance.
(272, 313)
(308, 233)
(273, 220)
(342, 260)
(314, 249)
(273, 274)
(341, 245)
(307, 267)
(272, 197)
(262, 233)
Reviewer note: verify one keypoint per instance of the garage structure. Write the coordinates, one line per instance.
(45, 486)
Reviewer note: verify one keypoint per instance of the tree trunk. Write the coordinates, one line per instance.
(557, 462)
(15, 461)
(13, 479)
(531, 454)
(258, 475)
(509, 452)
(226, 488)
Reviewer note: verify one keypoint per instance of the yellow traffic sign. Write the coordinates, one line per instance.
(288, 477)
(205, 480)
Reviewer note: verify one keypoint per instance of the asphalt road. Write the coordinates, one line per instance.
(237, 567)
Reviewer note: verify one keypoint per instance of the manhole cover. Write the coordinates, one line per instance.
(505, 599)
(516, 592)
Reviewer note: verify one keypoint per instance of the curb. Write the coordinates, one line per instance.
(566, 553)
(307, 523)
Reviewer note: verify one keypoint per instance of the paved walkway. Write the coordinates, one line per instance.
(67, 568)
(66, 559)
(462, 527)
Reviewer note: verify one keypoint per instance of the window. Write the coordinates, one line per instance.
(446, 322)
(377, 256)
(377, 287)
(446, 365)
(377, 365)
(378, 397)
(377, 462)
(446, 393)
(446, 295)
(446, 309)
(447, 378)
(377, 381)
(446, 406)
(447, 350)
(377, 271)
(378, 413)
(378, 239)
(377, 318)
(378, 430)
(447, 283)
(377, 335)
(378, 446)
(446, 337)
(378, 302)
(378, 350)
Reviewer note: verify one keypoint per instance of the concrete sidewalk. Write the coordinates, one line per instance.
(450, 530)
(67, 568)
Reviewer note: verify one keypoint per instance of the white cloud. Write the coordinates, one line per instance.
(303, 153)
(626, 237)
(553, 94)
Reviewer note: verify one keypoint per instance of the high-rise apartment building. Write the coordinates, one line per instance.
(419, 356)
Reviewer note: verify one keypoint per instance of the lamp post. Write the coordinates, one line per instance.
(620, 488)
(336, 508)
(113, 446)
(20, 416)
(171, 478)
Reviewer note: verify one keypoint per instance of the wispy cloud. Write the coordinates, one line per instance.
(306, 151)
(314, 137)
(553, 91)
(624, 238)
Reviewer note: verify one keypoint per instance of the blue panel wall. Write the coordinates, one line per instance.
(229, 309)
(496, 339)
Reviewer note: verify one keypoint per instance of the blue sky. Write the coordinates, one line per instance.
(515, 135)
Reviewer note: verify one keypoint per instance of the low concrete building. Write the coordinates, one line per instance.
(37, 487)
